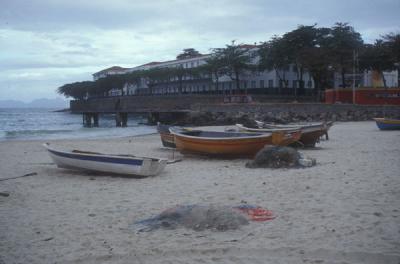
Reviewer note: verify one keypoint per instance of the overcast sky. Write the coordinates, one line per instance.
(47, 43)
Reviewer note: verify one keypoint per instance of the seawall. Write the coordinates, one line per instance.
(210, 109)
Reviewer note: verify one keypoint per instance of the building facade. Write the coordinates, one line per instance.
(257, 81)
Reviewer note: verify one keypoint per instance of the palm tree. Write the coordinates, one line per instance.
(213, 67)
(236, 61)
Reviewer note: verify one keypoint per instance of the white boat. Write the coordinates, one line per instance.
(108, 163)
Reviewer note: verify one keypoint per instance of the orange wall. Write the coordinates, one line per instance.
(364, 96)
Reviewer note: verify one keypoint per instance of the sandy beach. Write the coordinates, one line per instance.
(346, 209)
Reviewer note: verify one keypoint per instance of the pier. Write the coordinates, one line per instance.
(176, 107)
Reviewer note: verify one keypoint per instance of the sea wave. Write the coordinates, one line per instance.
(79, 133)
(31, 133)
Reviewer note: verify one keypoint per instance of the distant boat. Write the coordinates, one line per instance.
(167, 138)
(228, 143)
(387, 124)
(310, 133)
(109, 163)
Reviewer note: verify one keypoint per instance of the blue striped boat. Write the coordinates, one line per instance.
(387, 124)
(114, 164)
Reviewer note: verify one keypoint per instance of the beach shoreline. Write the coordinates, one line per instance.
(343, 210)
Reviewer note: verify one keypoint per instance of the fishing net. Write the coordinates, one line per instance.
(280, 157)
(201, 217)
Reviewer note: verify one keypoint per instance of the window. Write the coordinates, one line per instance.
(294, 68)
(294, 84)
(261, 83)
(270, 83)
(192, 64)
(309, 84)
(253, 84)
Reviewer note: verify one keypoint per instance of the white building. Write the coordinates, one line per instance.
(114, 70)
(267, 80)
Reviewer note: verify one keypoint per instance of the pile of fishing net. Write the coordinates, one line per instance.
(201, 217)
(280, 157)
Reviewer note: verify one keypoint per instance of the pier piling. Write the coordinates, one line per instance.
(121, 119)
(87, 120)
(95, 119)
(90, 119)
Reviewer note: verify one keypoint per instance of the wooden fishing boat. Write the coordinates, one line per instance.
(310, 133)
(115, 164)
(167, 138)
(228, 143)
(387, 123)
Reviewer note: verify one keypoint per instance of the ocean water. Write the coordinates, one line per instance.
(42, 124)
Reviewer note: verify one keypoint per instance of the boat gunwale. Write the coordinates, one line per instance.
(384, 120)
(251, 136)
(322, 125)
(268, 130)
(100, 155)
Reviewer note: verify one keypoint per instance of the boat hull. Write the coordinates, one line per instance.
(245, 146)
(310, 137)
(115, 164)
(294, 132)
(387, 124)
(167, 139)
(310, 134)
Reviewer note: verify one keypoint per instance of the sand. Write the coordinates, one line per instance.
(346, 209)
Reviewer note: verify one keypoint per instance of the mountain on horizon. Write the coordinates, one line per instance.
(37, 103)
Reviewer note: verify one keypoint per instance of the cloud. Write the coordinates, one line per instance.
(47, 42)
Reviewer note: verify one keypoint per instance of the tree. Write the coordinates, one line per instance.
(393, 41)
(134, 78)
(317, 63)
(156, 75)
(301, 41)
(77, 90)
(342, 42)
(378, 57)
(180, 72)
(274, 56)
(213, 67)
(236, 60)
(188, 53)
(317, 60)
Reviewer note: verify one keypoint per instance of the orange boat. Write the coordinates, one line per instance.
(228, 143)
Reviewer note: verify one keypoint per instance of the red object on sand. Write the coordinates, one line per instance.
(257, 213)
